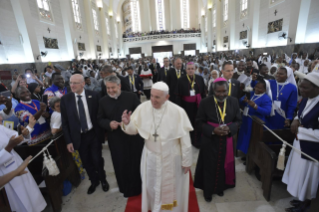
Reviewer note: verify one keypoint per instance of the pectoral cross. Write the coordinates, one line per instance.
(155, 135)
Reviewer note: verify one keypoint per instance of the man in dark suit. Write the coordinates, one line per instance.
(155, 67)
(234, 85)
(107, 71)
(172, 76)
(79, 110)
(162, 73)
(135, 82)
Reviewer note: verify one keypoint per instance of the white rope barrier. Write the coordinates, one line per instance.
(286, 143)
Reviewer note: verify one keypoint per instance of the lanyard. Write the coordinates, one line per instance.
(257, 97)
(132, 80)
(34, 108)
(278, 91)
(178, 74)
(229, 91)
(222, 114)
(191, 82)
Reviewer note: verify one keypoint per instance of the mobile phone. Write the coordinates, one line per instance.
(6, 94)
(45, 99)
(265, 53)
(247, 95)
(35, 71)
(28, 75)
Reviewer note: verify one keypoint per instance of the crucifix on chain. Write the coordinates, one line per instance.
(155, 135)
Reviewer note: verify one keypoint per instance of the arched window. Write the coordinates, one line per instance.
(95, 20)
(107, 26)
(243, 8)
(225, 10)
(214, 18)
(77, 14)
(132, 18)
(185, 14)
(45, 10)
(160, 15)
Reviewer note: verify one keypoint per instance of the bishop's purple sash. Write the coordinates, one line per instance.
(197, 98)
(310, 120)
(229, 158)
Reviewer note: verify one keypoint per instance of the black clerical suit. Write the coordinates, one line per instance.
(155, 73)
(162, 74)
(235, 89)
(88, 143)
(137, 83)
(172, 82)
(126, 150)
(124, 85)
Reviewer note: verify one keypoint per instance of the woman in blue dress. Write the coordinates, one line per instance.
(258, 105)
(284, 98)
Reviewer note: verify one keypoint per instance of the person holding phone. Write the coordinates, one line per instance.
(31, 77)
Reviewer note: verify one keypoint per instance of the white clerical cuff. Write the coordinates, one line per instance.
(296, 118)
(5, 157)
(308, 134)
(129, 129)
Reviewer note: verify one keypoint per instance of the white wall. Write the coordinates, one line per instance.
(11, 50)
(178, 46)
(312, 31)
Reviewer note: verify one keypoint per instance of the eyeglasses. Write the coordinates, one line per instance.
(75, 83)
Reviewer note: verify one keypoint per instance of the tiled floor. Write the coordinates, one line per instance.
(245, 197)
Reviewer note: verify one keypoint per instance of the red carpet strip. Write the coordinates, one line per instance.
(134, 203)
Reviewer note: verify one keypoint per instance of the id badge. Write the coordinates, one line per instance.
(9, 163)
(246, 109)
(192, 92)
(41, 120)
(277, 103)
(223, 125)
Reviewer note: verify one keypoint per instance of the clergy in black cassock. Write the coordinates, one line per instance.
(126, 150)
(190, 90)
(172, 77)
(219, 118)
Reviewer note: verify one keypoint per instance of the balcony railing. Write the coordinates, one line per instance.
(161, 37)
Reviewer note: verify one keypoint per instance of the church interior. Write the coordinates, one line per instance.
(81, 36)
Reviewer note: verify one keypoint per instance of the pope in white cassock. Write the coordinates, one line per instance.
(167, 153)
(22, 191)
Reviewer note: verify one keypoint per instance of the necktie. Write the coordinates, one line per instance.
(83, 121)
(132, 83)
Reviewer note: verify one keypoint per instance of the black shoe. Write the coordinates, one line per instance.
(295, 203)
(93, 187)
(105, 186)
(208, 199)
(220, 194)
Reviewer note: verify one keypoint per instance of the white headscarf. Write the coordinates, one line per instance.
(275, 66)
(290, 76)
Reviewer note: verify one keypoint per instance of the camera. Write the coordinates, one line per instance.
(28, 75)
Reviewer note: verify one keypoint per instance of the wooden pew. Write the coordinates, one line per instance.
(263, 152)
(54, 184)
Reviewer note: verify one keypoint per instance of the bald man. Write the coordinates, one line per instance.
(172, 77)
(82, 132)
